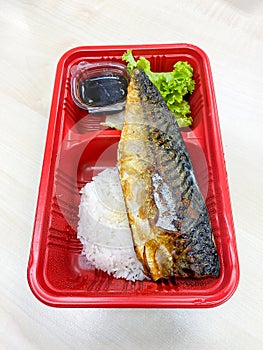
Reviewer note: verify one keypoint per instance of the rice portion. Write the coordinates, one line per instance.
(103, 227)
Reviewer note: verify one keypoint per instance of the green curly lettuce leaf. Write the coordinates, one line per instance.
(173, 86)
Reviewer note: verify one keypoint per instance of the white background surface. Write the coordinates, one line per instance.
(34, 35)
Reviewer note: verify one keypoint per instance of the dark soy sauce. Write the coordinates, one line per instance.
(103, 90)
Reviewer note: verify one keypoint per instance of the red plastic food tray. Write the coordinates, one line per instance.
(77, 148)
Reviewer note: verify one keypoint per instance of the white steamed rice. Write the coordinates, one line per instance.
(104, 230)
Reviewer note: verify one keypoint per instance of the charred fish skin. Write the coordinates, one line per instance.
(167, 214)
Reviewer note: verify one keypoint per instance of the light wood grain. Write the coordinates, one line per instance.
(33, 37)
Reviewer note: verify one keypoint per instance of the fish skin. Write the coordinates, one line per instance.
(167, 214)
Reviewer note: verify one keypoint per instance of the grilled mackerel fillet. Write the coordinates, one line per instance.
(166, 211)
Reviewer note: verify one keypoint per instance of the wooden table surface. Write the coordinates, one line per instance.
(34, 35)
